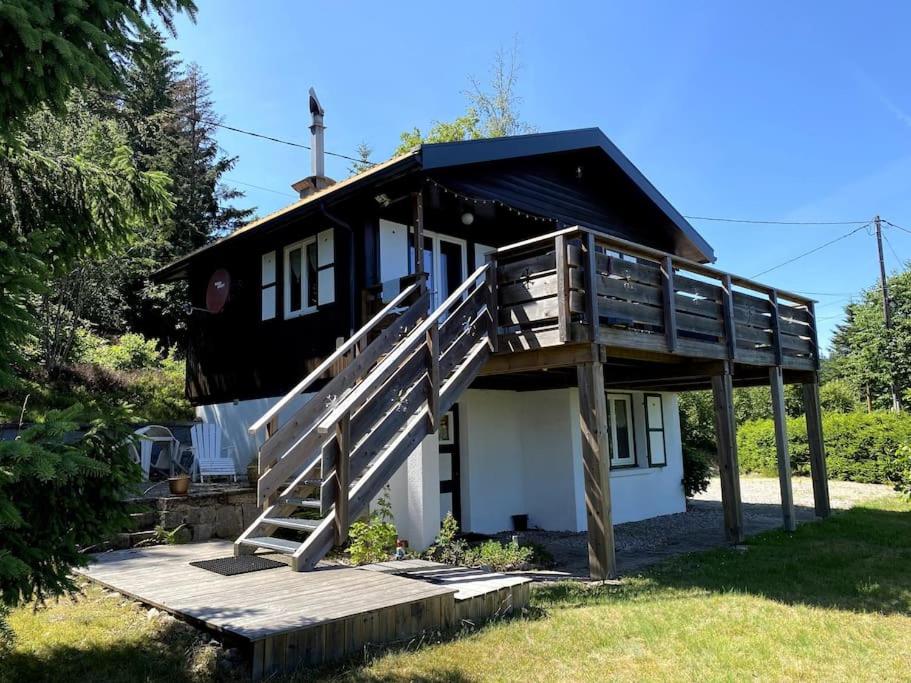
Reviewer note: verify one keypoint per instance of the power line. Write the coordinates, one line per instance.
(812, 251)
(259, 187)
(896, 226)
(892, 249)
(199, 119)
(764, 222)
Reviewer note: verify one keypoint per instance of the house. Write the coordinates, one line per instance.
(522, 364)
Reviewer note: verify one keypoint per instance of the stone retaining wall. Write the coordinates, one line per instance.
(223, 514)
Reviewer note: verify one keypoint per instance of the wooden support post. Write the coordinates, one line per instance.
(493, 301)
(563, 311)
(818, 469)
(670, 303)
(776, 383)
(343, 436)
(730, 327)
(590, 282)
(419, 232)
(726, 436)
(433, 371)
(596, 465)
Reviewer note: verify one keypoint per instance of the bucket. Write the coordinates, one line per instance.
(179, 485)
(520, 522)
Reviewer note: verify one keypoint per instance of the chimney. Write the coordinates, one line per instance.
(317, 179)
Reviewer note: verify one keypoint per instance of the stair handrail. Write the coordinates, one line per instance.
(406, 346)
(327, 363)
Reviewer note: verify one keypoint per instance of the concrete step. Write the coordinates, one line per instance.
(143, 521)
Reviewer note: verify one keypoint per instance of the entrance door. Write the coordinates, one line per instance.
(444, 261)
(450, 465)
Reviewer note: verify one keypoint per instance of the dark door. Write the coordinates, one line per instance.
(450, 465)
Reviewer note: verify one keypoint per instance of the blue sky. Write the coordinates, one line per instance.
(781, 111)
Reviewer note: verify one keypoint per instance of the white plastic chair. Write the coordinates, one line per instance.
(164, 459)
(142, 457)
(209, 458)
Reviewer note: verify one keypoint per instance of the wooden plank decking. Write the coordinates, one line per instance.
(289, 618)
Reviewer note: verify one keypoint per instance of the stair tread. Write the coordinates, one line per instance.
(280, 544)
(312, 503)
(293, 523)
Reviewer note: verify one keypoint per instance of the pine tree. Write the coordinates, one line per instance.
(49, 48)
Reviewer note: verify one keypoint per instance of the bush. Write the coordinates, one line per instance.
(498, 556)
(860, 447)
(901, 473)
(697, 469)
(374, 540)
(130, 352)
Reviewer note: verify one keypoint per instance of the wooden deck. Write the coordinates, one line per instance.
(289, 619)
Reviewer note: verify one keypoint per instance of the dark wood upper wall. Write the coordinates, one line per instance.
(577, 188)
(237, 355)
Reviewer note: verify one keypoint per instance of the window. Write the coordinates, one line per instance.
(301, 278)
(444, 262)
(654, 430)
(622, 440)
(268, 286)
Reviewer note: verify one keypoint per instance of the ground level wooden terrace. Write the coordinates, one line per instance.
(290, 619)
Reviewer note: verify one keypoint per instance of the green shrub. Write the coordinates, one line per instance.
(450, 549)
(498, 556)
(859, 446)
(697, 470)
(374, 540)
(130, 352)
(901, 472)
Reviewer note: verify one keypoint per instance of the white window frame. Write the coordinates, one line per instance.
(435, 238)
(305, 281)
(615, 461)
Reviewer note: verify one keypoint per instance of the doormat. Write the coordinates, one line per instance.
(231, 566)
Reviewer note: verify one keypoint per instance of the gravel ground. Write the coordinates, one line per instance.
(640, 544)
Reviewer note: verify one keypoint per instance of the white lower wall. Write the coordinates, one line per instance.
(522, 454)
(236, 417)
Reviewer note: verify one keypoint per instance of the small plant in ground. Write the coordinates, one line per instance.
(176, 536)
(498, 556)
(374, 540)
(450, 549)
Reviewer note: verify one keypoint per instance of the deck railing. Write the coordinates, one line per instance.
(577, 285)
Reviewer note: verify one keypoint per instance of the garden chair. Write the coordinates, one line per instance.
(163, 459)
(210, 459)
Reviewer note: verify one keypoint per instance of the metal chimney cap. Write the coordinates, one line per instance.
(315, 107)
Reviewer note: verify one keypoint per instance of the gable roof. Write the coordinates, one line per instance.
(436, 156)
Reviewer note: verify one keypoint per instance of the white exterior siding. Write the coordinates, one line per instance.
(235, 418)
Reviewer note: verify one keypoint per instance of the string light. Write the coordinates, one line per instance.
(477, 201)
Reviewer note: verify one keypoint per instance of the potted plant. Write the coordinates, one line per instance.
(179, 484)
(253, 471)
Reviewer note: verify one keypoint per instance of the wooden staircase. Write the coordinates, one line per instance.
(405, 368)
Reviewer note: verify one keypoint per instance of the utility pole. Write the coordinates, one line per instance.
(887, 312)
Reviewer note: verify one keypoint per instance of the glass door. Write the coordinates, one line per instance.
(444, 262)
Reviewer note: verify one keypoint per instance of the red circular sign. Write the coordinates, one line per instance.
(218, 290)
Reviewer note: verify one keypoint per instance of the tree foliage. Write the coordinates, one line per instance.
(69, 192)
(865, 355)
(50, 47)
(57, 496)
(492, 111)
(167, 112)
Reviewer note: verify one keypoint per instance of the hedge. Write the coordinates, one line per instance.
(859, 446)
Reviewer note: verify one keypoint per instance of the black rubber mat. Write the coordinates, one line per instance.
(231, 566)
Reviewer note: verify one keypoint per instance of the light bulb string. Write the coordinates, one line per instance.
(477, 201)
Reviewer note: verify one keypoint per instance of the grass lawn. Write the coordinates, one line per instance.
(830, 602)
